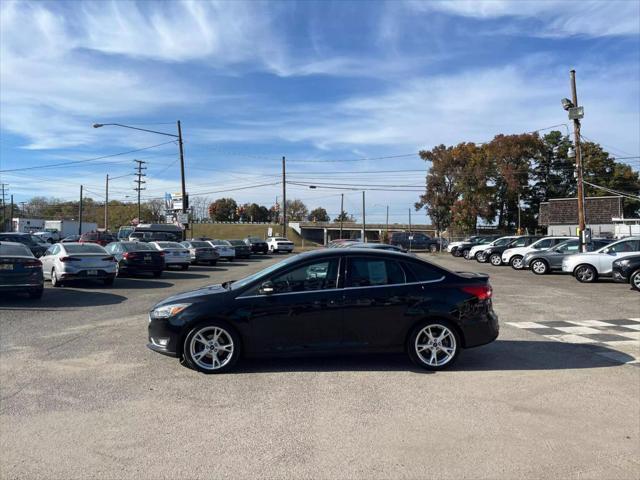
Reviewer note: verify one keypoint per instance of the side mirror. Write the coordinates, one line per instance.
(267, 288)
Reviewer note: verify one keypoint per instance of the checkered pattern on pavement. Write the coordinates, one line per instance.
(622, 335)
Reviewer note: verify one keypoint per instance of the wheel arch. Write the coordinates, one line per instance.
(202, 322)
(586, 264)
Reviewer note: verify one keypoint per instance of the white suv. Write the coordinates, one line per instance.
(477, 251)
(587, 267)
(514, 256)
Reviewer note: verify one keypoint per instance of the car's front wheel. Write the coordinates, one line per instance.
(433, 248)
(434, 345)
(516, 262)
(465, 253)
(635, 280)
(539, 267)
(585, 274)
(213, 347)
(55, 282)
(495, 259)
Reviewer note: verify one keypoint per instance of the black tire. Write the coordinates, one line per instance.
(184, 267)
(495, 259)
(417, 336)
(539, 266)
(108, 281)
(55, 283)
(585, 273)
(230, 259)
(516, 262)
(478, 257)
(465, 253)
(634, 280)
(191, 362)
(157, 273)
(36, 294)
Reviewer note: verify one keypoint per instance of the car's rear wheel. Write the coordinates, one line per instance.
(157, 273)
(479, 257)
(55, 282)
(433, 248)
(635, 280)
(585, 274)
(516, 262)
(539, 267)
(495, 259)
(434, 345)
(213, 347)
(465, 253)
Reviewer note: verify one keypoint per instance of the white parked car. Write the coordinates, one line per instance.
(174, 254)
(279, 244)
(514, 256)
(587, 267)
(476, 252)
(63, 262)
(224, 249)
(48, 237)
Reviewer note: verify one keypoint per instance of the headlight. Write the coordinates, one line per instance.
(622, 262)
(168, 311)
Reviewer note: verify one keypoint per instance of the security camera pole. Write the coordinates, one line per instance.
(575, 114)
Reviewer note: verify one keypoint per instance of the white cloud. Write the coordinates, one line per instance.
(594, 18)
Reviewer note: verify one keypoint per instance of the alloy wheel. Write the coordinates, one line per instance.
(435, 345)
(585, 274)
(495, 260)
(635, 280)
(211, 348)
(466, 254)
(516, 263)
(539, 267)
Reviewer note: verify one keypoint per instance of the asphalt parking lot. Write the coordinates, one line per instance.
(82, 397)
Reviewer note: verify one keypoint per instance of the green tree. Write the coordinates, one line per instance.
(296, 210)
(345, 216)
(318, 214)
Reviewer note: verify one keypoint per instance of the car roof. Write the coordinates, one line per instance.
(373, 252)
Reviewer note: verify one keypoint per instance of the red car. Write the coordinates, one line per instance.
(101, 238)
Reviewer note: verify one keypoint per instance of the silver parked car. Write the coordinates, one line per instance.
(224, 249)
(545, 261)
(174, 254)
(201, 252)
(64, 262)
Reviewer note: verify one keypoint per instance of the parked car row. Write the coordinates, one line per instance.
(26, 262)
(604, 258)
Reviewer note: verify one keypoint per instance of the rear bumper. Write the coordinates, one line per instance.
(21, 287)
(82, 275)
(481, 330)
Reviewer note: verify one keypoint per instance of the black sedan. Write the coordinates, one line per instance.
(329, 301)
(494, 254)
(242, 249)
(20, 271)
(627, 270)
(137, 257)
(33, 243)
(257, 245)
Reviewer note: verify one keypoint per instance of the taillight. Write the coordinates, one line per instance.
(69, 259)
(161, 254)
(108, 259)
(129, 255)
(481, 292)
(32, 264)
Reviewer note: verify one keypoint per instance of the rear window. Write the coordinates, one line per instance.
(200, 244)
(220, 242)
(169, 245)
(15, 250)
(84, 248)
(424, 272)
(137, 247)
(280, 239)
(236, 242)
(364, 272)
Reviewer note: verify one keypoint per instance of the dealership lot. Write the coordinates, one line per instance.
(82, 396)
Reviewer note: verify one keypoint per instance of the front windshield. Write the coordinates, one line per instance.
(262, 273)
(501, 241)
(200, 245)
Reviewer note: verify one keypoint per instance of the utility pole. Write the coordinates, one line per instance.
(185, 200)
(284, 198)
(106, 205)
(4, 209)
(11, 216)
(410, 233)
(364, 223)
(341, 212)
(519, 213)
(80, 213)
(139, 186)
(576, 135)
(387, 224)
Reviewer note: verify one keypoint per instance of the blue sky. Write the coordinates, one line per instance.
(314, 81)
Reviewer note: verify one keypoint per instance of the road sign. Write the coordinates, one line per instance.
(183, 218)
(576, 113)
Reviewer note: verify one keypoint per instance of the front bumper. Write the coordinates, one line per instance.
(164, 336)
(618, 276)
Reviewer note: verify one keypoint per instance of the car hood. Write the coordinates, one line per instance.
(192, 296)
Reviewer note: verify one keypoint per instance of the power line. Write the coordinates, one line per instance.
(86, 160)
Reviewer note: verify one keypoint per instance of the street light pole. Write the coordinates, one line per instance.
(364, 223)
(106, 205)
(284, 197)
(576, 135)
(341, 212)
(80, 213)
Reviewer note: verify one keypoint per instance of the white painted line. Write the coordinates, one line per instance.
(571, 338)
(527, 325)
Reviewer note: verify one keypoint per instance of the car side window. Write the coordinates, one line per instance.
(569, 248)
(628, 246)
(423, 272)
(313, 276)
(544, 243)
(520, 242)
(366, 272)
(50, 250)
